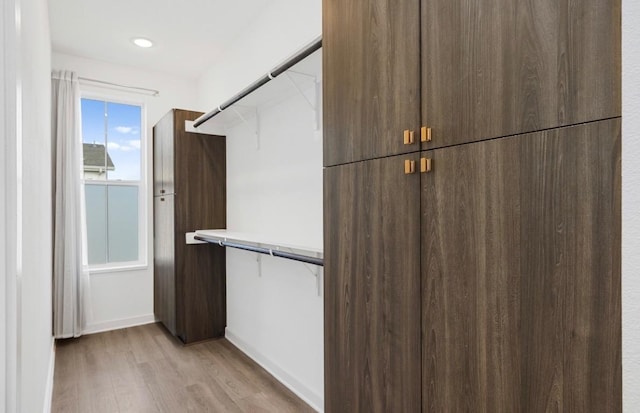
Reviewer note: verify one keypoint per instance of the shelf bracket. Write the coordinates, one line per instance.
(259, 261)
(314, 106)
(317, 272)
(254, 130)
(318, 120)
(319, 277)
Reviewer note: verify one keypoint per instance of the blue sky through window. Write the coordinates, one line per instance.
(123, 135)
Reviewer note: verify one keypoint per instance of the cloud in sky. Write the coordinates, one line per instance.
(127, 130)
(132, 145)
(124, 129)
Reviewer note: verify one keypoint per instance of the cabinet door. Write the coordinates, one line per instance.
(200, 176)
(162, 132)
(521, 274)
(371, 78)
(164, 262)
(168, 156)
(494, 68)
(372, 287)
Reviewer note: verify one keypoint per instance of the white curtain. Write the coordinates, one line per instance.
(70, 270)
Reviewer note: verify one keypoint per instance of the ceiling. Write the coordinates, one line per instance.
(188, 34)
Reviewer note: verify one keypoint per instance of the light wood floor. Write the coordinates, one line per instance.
(144, 369)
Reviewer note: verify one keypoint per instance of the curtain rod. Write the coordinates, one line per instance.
(272, 74)
(143, 90)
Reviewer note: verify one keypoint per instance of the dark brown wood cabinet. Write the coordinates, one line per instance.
(469, 70)
(189, 194)
(493, 68)
(372, 305)
(518, 207)
(519, 287)
(521, 273)
(371, 78)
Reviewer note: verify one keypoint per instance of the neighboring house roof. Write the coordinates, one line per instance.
(93, 157)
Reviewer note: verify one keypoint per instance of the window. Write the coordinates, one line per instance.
(112, 136)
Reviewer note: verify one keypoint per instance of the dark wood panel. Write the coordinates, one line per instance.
(162, 133)
(493, 68)
(521, 273)
(592, 318)
(372, 287)
(190, 290)
(470, 273)
(164, 297)
(371, 78)
(201, 270)
(200, 182)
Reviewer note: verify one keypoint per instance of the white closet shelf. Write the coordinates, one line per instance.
(258, 243)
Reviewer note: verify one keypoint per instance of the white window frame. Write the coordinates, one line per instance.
(142, 262)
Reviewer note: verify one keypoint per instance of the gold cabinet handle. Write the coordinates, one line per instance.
(409, 137)
(409, 167)
(425, 165)
(425, 134)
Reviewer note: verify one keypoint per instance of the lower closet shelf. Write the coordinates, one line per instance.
(259, 244)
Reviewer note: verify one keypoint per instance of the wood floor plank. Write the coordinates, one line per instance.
(145, 369)
(209, 397)
(65, 388)
(143, 345)
(95, 389)
(131, 392)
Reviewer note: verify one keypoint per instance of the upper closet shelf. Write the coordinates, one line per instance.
(257, 243)
(300, 73)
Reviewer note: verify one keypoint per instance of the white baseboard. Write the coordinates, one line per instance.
(119, 324)
(48, 393)
(293, 384)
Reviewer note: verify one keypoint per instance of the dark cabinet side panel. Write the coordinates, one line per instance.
(168, 147)
(200, 182)
(371, 78)
(164, 298)
(494, 68)
(162, 137)
(521, 274)
(372, 287)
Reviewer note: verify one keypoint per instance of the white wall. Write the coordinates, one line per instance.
(35, 342)
(125, 298)
(276, 190)
(283, 28)
(631, 204)
(4, 129)
(8, 207)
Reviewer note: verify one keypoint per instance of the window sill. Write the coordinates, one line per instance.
(117, 268)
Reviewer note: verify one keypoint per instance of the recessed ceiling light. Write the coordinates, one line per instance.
(142, 42)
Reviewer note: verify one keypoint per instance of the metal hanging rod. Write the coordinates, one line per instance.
(268, 251)
(143, 90)
(272, 74)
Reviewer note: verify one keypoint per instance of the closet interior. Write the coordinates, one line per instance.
(269, 246)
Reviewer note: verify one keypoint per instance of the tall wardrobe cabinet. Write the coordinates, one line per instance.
(472, 205)
(189, 181)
